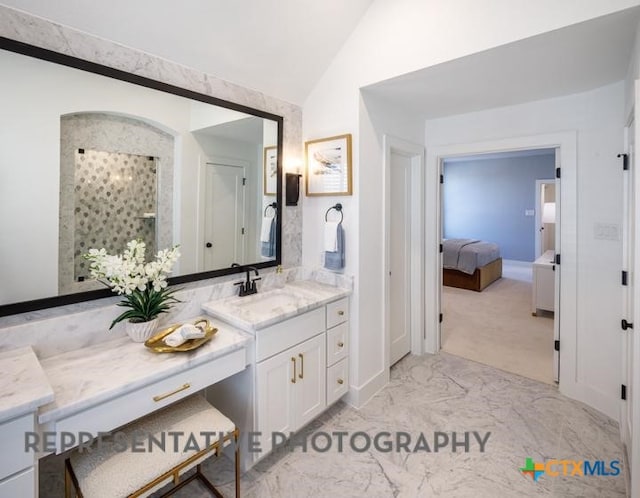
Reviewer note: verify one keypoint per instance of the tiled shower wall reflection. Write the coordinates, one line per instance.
(91, 216)
(115, 201)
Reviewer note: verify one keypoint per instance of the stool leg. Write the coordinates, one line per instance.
(67, 480)
(235, 437)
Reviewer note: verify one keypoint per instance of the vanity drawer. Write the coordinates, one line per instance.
(121, 410)
(337, 312)
(13, 458)
(337, 381)
(337, 346)
(283, 335)
(19, 486)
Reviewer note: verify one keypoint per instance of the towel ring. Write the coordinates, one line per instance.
(337, 207)
(273, 205)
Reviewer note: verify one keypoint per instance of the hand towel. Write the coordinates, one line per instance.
(335, 260)
(331, 236)
(265, 231)
(183, 334)
(268, 247)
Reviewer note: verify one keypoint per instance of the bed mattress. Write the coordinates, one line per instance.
(466, 255)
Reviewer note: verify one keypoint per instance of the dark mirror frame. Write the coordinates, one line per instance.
(92, 67)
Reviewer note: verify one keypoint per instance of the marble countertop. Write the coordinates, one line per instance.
(23, 383)
(251, 313)
(92, 375)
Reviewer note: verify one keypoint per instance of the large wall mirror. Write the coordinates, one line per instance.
(93, 157)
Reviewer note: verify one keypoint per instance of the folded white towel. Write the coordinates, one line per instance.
(182, 334)
(265, 232)
(330, 236)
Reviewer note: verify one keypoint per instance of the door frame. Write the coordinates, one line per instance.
(566, 244)
(416, 263)
(634, 465)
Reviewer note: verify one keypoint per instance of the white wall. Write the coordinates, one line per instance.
(393, 38)
(598, 118)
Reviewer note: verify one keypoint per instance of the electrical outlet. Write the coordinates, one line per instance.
(529, 212)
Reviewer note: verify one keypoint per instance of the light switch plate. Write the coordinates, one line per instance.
(529, 212)
(606, 231)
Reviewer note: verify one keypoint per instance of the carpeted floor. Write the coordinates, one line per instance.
(495, 327)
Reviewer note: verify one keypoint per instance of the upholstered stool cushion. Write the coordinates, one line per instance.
(106, 472)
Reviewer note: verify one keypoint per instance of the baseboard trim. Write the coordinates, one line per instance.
(514, 262)
(357, 397)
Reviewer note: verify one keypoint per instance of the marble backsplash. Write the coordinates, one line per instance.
(36, 31)
(76, 326)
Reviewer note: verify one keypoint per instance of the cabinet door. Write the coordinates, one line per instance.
(274, 385)
(310, 388)
(544, 288)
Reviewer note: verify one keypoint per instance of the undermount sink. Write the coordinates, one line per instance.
(267, 302)
(257, 311)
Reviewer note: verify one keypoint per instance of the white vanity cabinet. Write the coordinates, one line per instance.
(24, 388)
(302, 367)
(290, 389)
(17, 474)
(337, 349)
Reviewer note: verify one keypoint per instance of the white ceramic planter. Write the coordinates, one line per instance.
(140, 332)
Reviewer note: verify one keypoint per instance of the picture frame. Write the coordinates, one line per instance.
(270, 170)
(328, 166)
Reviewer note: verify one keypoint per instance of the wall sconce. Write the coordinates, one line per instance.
(549, 212)
(292, 188)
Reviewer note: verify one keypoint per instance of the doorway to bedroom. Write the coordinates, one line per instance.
(498, 222)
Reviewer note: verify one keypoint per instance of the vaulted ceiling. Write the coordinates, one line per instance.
(280, 47)
(573, 59)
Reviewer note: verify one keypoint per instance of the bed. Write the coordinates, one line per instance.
(470, 264)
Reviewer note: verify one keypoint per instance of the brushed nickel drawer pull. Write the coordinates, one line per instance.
(341, 313)
(340, 381)
(293, 379)
(341, 344)
(160, 397)
(301, 366)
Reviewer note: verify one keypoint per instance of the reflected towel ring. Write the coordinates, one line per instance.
(273, 205)
(337, 207)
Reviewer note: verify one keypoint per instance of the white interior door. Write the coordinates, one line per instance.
(557, 274)
(400, 257)
(224, 212)
(628, 248)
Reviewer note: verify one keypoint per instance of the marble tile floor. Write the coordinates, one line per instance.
(426, 394)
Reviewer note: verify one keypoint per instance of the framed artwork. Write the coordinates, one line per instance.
(329, 166)
(270, 170)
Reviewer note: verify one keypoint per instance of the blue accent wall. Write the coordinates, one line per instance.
(486, 199)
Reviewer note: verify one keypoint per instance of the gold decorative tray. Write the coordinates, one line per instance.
(157, 345)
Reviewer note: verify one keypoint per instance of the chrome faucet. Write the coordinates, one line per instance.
(248, 287)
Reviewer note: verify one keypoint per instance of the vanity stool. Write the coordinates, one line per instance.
(103, 471)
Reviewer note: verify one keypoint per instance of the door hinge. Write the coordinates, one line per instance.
(441, 248)
(625, 278)
(556, 345)
(244, 181)
(441, 178)
(625, 161)
(557, 172)
(557, 259)
(626, 325)
(440, 318)
(623, 392)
